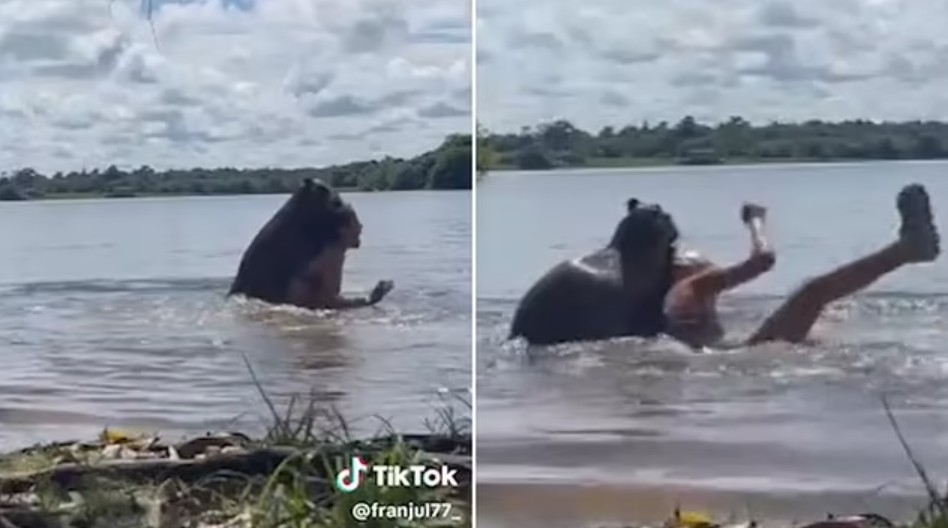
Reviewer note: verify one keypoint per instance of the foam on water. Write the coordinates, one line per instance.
(798, 400)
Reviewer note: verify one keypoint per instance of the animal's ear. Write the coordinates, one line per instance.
(316, 189)
(631, 204)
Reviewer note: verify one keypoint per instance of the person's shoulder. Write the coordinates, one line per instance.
(690, 255)
(691, 258)
(689, 262)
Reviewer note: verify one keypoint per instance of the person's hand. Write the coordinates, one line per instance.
(752, 211)
(380, 291)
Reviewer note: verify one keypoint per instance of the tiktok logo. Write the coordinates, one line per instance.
(349, 479)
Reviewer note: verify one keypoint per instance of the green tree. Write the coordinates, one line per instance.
(533, 158)
(929, 147)
(485, 153)
(9, 193)
(453, 166)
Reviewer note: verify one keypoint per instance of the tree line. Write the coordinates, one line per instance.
(561, 144)
(447, 167)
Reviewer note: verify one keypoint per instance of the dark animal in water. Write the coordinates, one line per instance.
(298, 232)
(589, 298)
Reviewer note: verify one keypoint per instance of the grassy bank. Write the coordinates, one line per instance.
(284, 478)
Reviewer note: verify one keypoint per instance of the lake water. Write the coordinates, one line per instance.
(778, 419)
(113, 312)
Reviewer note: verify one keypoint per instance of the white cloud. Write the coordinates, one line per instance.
(87, 83)
(614, 62)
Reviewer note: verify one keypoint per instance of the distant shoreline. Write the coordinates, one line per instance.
(736, 141)
(59, 197)
(651, 163)
(448, 167)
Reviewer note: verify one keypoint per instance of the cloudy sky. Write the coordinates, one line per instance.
(85, 83)
(612, 62)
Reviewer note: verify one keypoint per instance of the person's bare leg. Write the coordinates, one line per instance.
(918, 242)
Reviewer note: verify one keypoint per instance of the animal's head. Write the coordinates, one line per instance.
(646, 238)
(315, 198)
(320, 214)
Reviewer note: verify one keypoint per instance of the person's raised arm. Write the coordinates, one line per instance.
(760, 261)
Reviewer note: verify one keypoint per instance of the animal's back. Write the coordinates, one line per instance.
(571, 302)
(295, 235)
(263, 272)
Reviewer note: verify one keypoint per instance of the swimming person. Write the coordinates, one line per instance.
(319, 285)
(690, 307)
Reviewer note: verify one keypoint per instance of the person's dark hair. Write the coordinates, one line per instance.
(641, 231)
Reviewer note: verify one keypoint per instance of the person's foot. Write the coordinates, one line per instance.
(918, 231)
